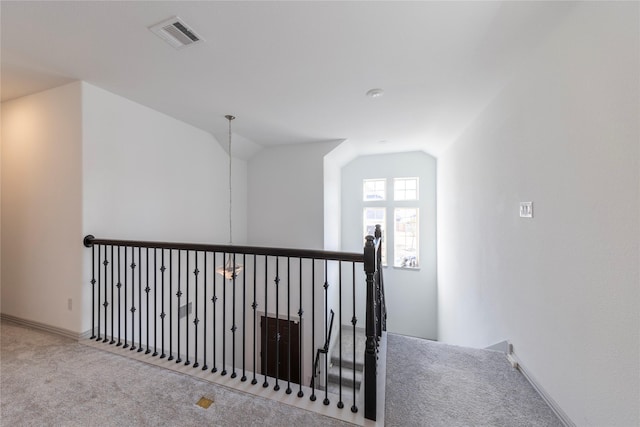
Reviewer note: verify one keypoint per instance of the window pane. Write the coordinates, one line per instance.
(405, 248)
(374, 189)
(373, 216)
(405, 189)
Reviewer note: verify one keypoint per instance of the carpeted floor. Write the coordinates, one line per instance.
(48, 380)
(434, 384)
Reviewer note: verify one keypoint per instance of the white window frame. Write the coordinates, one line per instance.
(390, 202)
(376, 184)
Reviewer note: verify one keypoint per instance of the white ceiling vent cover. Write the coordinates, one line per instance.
(176, 32)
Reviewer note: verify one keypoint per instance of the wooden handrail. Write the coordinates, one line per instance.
(323, 350)
(90, 240)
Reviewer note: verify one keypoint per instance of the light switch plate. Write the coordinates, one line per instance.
(526, 209)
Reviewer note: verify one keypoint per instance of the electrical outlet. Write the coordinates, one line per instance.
(526, 209)
(69, 304)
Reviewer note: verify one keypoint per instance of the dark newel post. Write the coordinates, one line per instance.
(370, 351)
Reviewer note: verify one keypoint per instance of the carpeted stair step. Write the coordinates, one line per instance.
(347, 376)
(348, 362)
(348, 349)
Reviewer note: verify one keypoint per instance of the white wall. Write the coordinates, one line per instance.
(148, 176)
(286, 196)
(411, 295)
(79, 160)
(42, 207)
(563, 286)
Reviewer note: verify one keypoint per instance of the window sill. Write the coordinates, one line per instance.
(402, 268)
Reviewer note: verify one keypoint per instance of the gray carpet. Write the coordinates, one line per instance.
(48, 380)
(434, 384)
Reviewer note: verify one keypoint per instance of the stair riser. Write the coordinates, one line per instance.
(346, 380)
(348, 364)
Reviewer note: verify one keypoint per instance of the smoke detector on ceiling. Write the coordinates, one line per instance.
(176, 32)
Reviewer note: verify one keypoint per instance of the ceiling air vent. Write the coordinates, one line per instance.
(176, 32)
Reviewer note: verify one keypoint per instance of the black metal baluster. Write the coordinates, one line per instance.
(170, 305)
(288, 390)
(195, 319)
(214, 299)
(126, 344)
(224, 319)
(277, 282)
(265, 330)
(155, 302)
(113, 341)
(354, 320)
(204, 320)
(186, 323)
(313, 329)
(119, 286)
(93, 291)
(233, 320)
(106, 296)
(244, 320)
(133, 299)
(300, 312)
(340, 403)
(98, 338)
(179, 294)
(140, 299)
(326, 332)
(146, 291)
(255, 325)
(162, 313)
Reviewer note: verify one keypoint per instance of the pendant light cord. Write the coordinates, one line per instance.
(229, 117)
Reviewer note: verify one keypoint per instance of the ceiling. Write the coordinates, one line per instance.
(291, 72)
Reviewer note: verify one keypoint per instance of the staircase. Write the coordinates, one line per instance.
(349, 365)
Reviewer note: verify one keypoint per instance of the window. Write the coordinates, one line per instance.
(372, 217)
(374, 189)
(405, 189)
(404, 239)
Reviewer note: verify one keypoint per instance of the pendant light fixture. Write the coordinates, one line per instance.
(231, 269)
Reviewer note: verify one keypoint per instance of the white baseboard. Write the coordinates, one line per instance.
(44, 327)
(564, 418)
